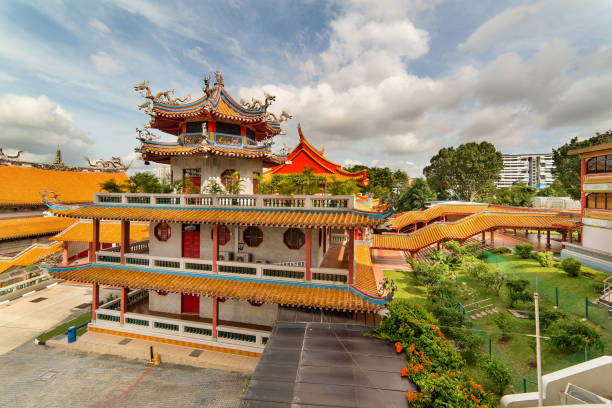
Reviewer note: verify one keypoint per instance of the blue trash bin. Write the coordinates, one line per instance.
(72, 334)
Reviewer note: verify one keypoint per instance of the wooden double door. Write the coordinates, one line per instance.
(190, 249)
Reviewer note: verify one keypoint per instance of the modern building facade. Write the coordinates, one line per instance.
(596, 202)
(218, 268)
(534, 170)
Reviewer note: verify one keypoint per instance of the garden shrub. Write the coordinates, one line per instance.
(503, 323)
(493, 280)
(497, 371)
(571, 266)
(432, 364)
(474, 267)
(448, 316)
(468, 344)
(501, 250)
(544, 258)
(547, 316)
(471, 248)
(571, 336)
(523, 250)
(517, 291)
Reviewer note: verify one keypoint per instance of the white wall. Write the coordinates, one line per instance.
(213, 166)
(272, 248)
(170, 303)
(597, 238)
(244, 312)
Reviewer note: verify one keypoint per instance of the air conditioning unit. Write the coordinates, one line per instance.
(244, 257)
(226, 256)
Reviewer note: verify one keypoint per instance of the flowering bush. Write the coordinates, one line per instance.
(432, 364)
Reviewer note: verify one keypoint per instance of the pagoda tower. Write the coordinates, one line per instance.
(223, 263)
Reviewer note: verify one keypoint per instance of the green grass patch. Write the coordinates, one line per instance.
(407, 287)
(63, 328)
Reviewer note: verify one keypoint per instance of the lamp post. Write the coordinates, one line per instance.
(538, 347)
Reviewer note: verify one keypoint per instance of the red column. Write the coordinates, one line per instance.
(215, 316)
(492, 237)
(414, 255)
(539, 232)
(125, 239)
(65, 255)
(515, 232)
(582, 173)
(548, 238)
(308, 253)
(438, 245)
(95, 240)
(324, 233)
(569, 235)
(215, 255)
(95, 302)
(350, 247)
(483, 236)
(184, 127)
(124, 302)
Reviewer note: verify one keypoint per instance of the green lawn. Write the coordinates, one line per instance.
(61, 329)
(519, 351)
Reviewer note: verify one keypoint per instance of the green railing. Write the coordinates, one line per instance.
(166, 326)
(237, 336)
(167, 264)
(329, 277)
(278, 273)
(110, 318)
(245, 270)
(198, 266)
(197, 330)
(138, 322)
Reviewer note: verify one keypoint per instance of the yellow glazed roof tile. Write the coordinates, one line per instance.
(13, 228)
(214, 216)
(110, 232)
(364, 273)
(30, 255)
(469, 226)
(265, 291)
(23, 185)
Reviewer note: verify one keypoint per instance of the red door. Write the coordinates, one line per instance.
(190, 303)
(191, 241)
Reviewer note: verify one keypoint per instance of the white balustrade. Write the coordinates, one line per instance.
(318, 202)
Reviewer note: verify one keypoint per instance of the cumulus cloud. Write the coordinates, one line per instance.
(39, 126)
(7, 77)
(197, 54)
(106, 63)
(99, 26)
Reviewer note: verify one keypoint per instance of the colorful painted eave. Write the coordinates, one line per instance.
(302, 294)
(155, 151)
(221, 106)
(306, 155)
(277, 218)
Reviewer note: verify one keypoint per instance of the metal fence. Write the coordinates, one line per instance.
(567, 301)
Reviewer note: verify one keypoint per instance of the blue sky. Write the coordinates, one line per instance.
(379, 83)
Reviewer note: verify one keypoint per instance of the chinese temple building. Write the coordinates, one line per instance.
(305, 155)
(219, 269)
(24, 230)
(595, 248)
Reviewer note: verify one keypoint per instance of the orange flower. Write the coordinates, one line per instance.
(400, 329)
(404, 372)
(398, 347)
(440, 334)
(411, 348)
(476, 400)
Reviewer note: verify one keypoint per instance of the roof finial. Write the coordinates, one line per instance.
(219, 77)
(300, 132)
(58, 156)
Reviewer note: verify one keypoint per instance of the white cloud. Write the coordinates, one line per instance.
(38, 126)
(99, 26)
(106, 63)
(197, 54)
(7, 77)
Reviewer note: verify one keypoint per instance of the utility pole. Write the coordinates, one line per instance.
(538, 347)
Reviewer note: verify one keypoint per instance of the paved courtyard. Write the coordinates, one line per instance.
(23, 319)
(41, 376)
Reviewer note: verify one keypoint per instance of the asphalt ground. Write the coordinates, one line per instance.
(40, 376)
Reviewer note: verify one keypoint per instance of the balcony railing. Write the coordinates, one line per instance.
(138, 247)
(180, 329)
(227, 268)
(317, 202)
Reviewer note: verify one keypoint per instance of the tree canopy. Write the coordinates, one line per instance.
(464, 173)
(519, 195)
(567, 168)
(384, 182)
(415, 197)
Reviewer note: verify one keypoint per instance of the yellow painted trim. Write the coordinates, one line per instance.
(176, 342)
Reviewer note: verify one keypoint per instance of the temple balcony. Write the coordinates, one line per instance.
(184, 327)
(288, 271)
(241, 201)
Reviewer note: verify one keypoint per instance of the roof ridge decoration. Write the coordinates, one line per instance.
(115, 165)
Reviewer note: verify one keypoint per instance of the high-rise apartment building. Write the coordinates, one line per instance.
(532, 169)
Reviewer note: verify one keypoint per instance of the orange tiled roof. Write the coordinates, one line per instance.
(306, 155)
(110, 232)
(469, 226)
(302, 295)
(12, 228)
(22, 185)
(364, 273)
(29, 256)
(280, 218)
